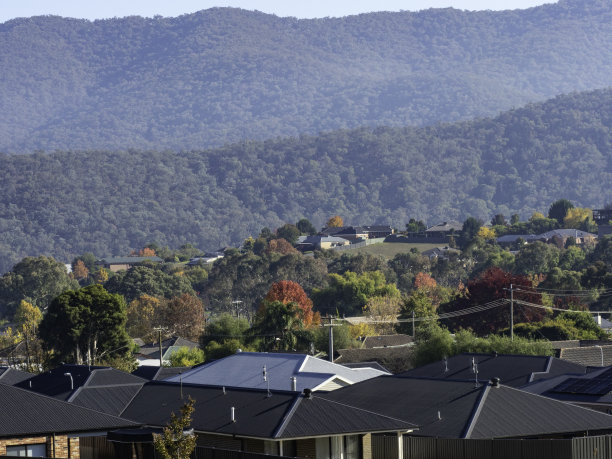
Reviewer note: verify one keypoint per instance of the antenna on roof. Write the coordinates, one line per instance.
(267, 380)
(475, 370)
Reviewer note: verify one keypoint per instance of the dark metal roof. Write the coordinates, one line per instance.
(259, 414)
(371, 342)
(26, 413)
(513, 370)
(55, 383)
(457, 409)
(156, 373)
(107, 399)
(11, 376)
(375, 365)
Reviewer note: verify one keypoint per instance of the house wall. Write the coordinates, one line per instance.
(64, 446)
(116, 268)
(219, 441)
(366, 446)
(307, 448)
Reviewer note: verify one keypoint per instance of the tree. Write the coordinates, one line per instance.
(493, 284)
(292, 292)
(85, 325)
(288, 232)
(306, 227)
(536, 258)
(385, 310)
(144, 280)
(38, 280)
(223, 328)
(183, 316)
(348, 293)
(558, 210)
(415, 226)
(469, 231)
(176, 442)
(280, 246)
(486, 233)
(79, 270)
(579, 218)
(142, 316)
(187, 357)
(27, 319)
(499, 219)
(335, 222)
(277, 324)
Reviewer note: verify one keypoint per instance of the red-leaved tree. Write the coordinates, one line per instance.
(291, 292)
(494, 284)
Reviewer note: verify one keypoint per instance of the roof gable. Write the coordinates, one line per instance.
(28, 413)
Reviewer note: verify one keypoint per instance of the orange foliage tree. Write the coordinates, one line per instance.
(291, 292)
(79, 270)
(335, 222)
(280, 246)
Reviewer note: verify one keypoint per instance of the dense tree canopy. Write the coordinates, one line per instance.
(438, 173)
(224, 75)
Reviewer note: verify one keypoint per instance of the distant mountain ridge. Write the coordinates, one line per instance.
(222, 75)
(110, 202)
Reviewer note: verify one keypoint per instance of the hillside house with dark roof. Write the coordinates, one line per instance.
(116, 264)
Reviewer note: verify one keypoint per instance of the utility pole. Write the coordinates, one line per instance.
(413, 333)
(159, 331)
(511, 313)
(331, 326)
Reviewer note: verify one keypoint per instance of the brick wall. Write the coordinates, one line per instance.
(64, 447)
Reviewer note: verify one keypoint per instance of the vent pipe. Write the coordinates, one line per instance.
(294, 384)
(233, 414)
(495, 382)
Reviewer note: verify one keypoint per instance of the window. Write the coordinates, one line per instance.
(346, 447)
(39, 450)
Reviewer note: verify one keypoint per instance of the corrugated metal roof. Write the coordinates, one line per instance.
(278, 414)
(245, 369)
(108, 399)
(11, 376)
(27, 413)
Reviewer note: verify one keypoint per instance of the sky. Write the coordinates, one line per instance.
(101, 9)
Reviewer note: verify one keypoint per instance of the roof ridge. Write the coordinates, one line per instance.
(363, 409)
(476, 413)
(283, 425)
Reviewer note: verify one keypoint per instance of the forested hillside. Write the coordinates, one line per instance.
(66, 203)
(223, 75)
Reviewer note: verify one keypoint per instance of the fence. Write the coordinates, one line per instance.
(442, 448)
(101, 448)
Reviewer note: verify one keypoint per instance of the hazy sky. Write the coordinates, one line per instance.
(99, 9)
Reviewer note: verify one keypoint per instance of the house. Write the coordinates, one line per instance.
(513, 370)
(444, 230)
(103, 389)
(465, 409)
(354, 233)
(11, 376)
(149, 353)
(209, 257)
(32, 424)
(397, 340)
(321, 242)
(262, 370)
(116, 264)
(596, 356)
(285, 423)
(443, 253)
(558, 236)
(591, 390)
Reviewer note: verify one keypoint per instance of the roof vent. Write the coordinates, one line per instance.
(439, 416)
(233, 414)
(294, 384)
(307, 393)
(495, 382)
